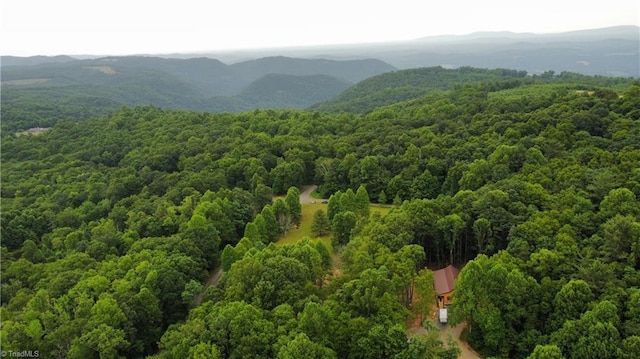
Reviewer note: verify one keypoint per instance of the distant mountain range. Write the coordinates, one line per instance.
(611, 51)
(40, 90)
(64, 88)
(208, 77)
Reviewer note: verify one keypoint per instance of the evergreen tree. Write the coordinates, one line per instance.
(321, 224)
(335, 205)
(382, 198)
(273, 228)
(251, 232)
(363, 201)
(397, 200)
(348, 202)
(293, 202)
(262, 229)
(281, 211)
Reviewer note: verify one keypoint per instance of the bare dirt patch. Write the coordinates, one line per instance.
(34, 131)
(104, 69)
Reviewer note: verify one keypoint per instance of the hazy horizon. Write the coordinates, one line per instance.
(71, 27)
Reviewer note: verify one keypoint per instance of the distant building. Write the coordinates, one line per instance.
(444, 283)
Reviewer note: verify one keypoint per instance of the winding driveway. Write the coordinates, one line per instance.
(213, 279)
(305, 194)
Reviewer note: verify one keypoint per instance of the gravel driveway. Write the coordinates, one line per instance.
(305, 194)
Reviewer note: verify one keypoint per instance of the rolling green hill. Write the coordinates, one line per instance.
(349, 70)
(397, 86)
(290, 91)
(74, 88)
(280, 91)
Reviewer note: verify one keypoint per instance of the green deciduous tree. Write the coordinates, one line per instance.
(570, 302)
(622, 240)
(204, 235)
(191, 290)
(546, 352)
(286, 175)
(425, 292)
(630, 347)
(341, 226)
(593, 335)
(451, 226)
(619, 201)
(498, 301)
(302, 347)
(267, 279)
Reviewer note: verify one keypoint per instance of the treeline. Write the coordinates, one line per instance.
(109, 227)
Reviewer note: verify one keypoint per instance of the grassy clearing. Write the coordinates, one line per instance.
(383, 210)
(304, 230)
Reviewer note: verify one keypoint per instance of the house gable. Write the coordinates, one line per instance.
(444, 279)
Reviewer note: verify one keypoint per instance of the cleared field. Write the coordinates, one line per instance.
(104, 69)
(304, 230)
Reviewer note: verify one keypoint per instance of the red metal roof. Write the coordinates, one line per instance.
(444, 279)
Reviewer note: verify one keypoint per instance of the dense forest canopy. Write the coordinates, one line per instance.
(111, 225)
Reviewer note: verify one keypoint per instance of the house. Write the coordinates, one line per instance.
(444, 283)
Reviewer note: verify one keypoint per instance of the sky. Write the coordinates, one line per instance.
(119, 27)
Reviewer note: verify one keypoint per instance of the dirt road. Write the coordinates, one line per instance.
(305, 194)
(214, 277)
(466, 352)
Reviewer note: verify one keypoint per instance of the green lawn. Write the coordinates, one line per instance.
(304, 230)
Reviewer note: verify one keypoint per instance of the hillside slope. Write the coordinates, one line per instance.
(349, 70)
(67, 88)
(291, 91)
(397, 86)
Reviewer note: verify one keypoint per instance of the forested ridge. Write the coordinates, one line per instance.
(39, 94)
(402, 85)
(111, 225)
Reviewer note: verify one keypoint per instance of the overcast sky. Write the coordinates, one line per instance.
(119, 27)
